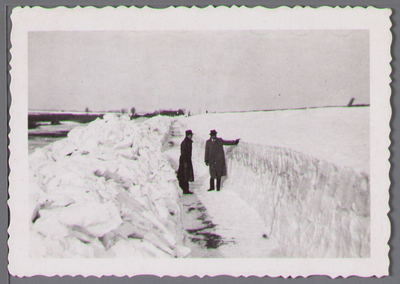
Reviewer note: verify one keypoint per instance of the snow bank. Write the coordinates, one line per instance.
(106, 191)
(314, 207)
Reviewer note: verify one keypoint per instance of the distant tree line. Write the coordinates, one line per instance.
(162, 112)
(37, 119)
(134, 114)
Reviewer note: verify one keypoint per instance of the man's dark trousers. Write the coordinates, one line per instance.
(218, 183)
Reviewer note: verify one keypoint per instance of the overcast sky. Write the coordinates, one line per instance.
(201, 70)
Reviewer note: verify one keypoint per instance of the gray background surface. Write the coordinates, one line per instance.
(394, 215)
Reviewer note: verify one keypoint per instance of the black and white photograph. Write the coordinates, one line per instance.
(222, 144)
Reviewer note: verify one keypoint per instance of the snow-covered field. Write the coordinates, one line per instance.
(109, 190)
(336, 135)
(307, 177)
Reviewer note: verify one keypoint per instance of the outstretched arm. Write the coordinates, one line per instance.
(230, 142)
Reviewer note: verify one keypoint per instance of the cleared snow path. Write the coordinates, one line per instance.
(218, 224)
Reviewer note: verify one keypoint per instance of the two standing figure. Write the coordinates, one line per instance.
(214, 158)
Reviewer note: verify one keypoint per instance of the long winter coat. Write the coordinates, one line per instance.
(185, 171)
(215, 156)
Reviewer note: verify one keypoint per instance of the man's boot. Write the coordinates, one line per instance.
(211, 184)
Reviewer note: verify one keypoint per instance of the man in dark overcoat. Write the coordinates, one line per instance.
(215, 158)
(185, 170)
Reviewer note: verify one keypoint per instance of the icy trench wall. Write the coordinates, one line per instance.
(106, 190)
(312, 207)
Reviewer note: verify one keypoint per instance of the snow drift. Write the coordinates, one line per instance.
(106, 191)
(311, 206)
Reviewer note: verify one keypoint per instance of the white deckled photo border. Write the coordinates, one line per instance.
(376, 21)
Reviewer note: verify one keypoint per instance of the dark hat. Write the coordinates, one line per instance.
(188, 132)
(213, 133)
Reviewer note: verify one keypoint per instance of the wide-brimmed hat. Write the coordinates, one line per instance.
(213, 133)
(188, 132)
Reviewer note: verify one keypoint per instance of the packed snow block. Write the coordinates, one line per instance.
(313, 207)
(97, 218)
(104, 188)
(158, 128)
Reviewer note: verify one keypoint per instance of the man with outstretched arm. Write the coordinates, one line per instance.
(185, 170)
(215, 158)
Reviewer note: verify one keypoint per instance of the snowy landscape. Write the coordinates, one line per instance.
(297, 186)
(108, 111)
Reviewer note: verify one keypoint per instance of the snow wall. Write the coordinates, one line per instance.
(312, 207)
(106, 191)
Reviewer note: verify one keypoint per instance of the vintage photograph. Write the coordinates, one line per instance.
(119, 121)
(199, 144)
